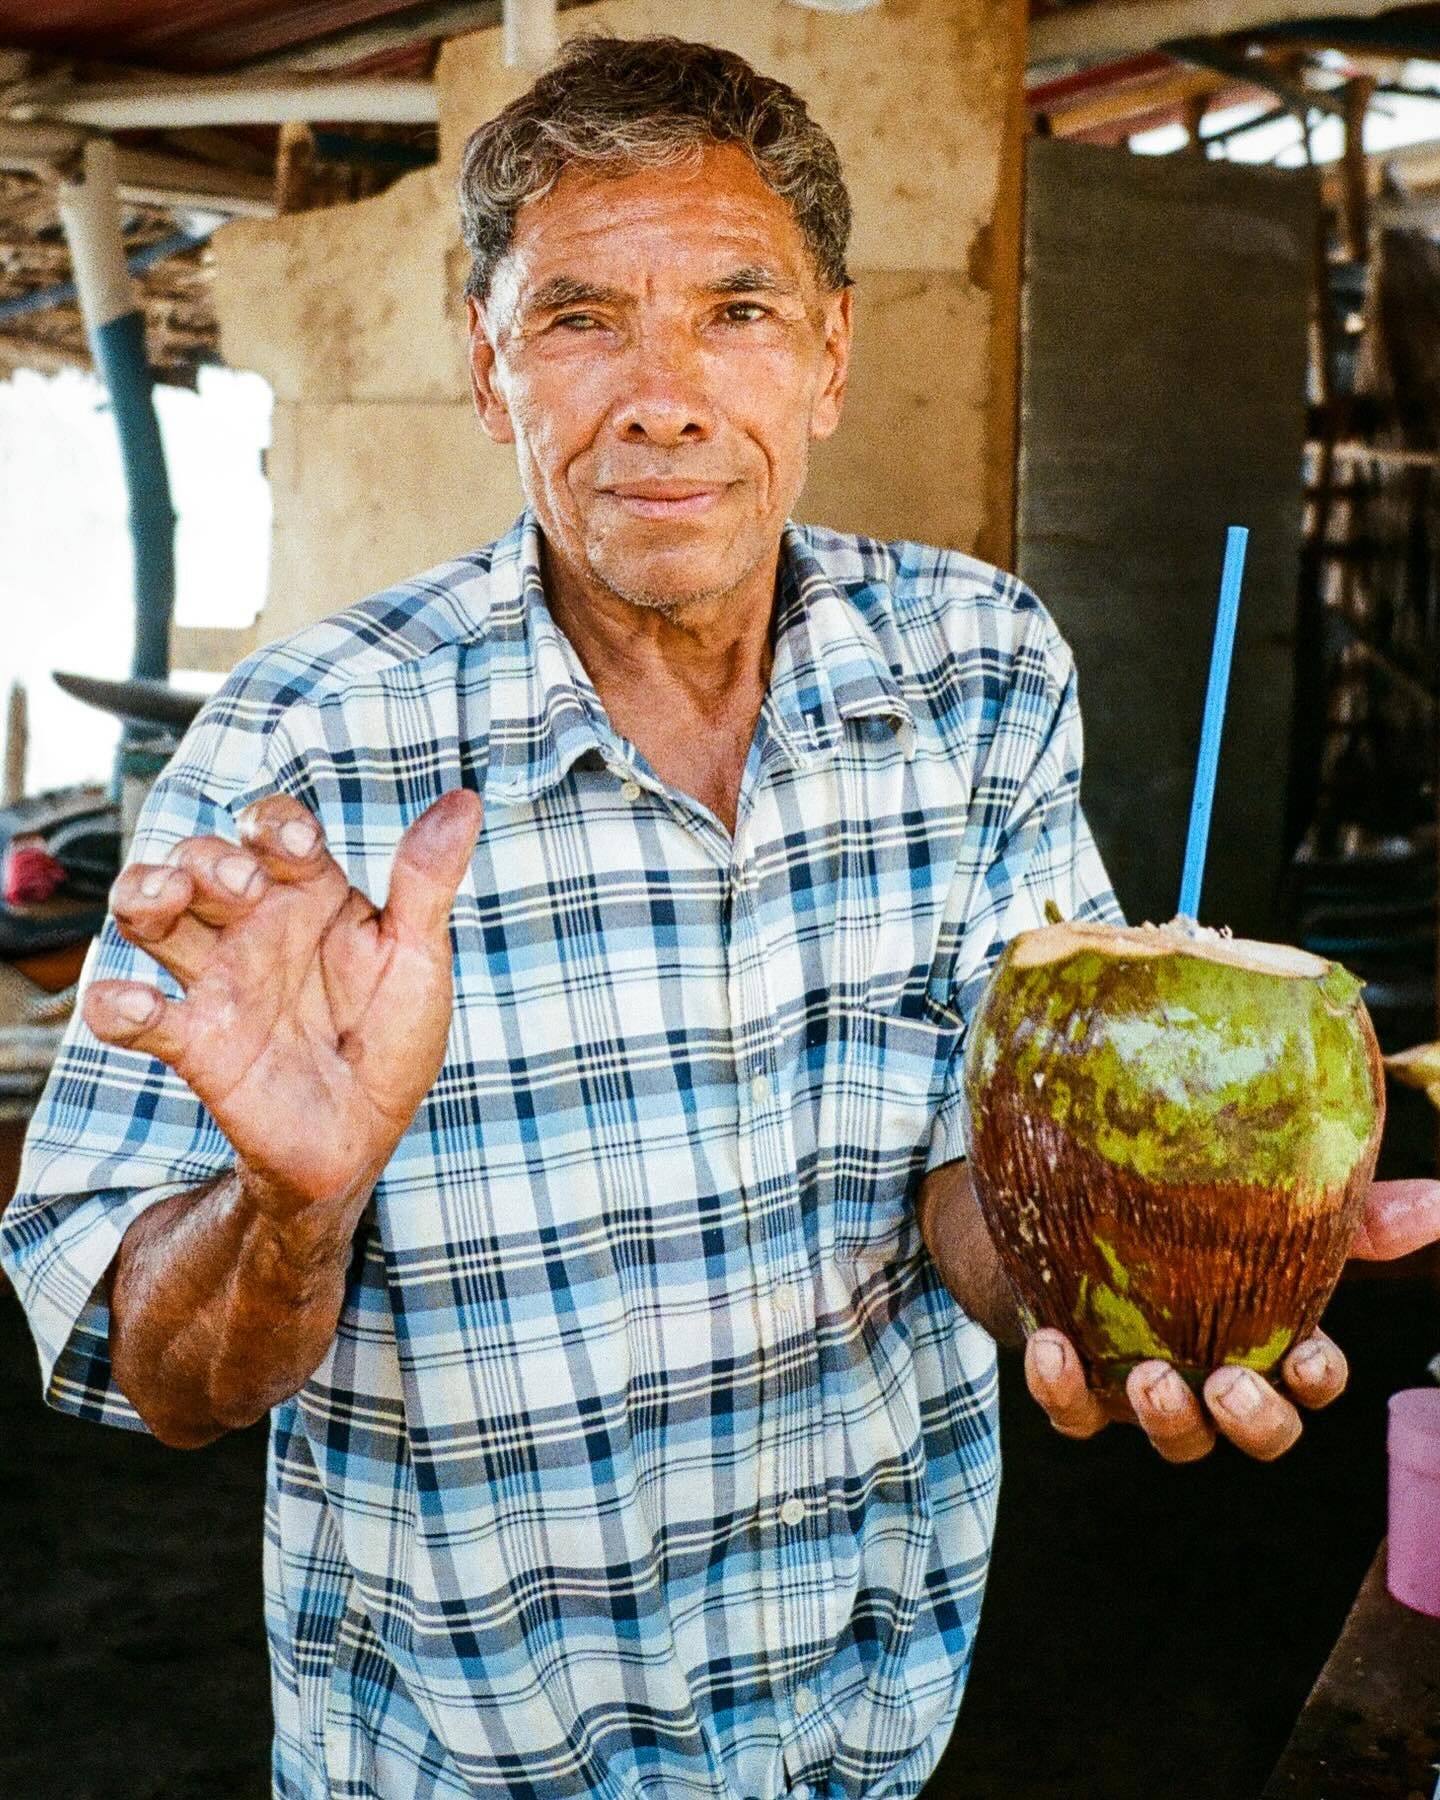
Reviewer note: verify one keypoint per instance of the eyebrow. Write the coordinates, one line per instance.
(571, 290)
(752, 278)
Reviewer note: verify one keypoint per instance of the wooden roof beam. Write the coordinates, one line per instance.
(166, 103)
(145, 177)
(1114, 28)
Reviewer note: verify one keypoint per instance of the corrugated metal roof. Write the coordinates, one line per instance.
(182, 34)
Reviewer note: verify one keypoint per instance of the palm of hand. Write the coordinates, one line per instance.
(312, 1024)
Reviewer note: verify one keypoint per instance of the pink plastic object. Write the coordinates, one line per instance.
(31, 872)
(1413, 1561)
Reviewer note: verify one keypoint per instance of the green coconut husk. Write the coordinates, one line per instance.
(1172, 1136)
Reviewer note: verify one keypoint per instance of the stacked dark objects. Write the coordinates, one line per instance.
(1365, 873)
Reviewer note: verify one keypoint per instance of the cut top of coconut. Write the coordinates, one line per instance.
(1051, 943)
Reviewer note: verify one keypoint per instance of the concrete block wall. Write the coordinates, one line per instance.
(354, 314)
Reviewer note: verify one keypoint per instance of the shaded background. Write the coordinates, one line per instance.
(1149, 1633)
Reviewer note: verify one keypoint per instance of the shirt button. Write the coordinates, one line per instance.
(629, 790)
(804, 1701)
(793, 1511)
(760, 1089)
(787, 1298)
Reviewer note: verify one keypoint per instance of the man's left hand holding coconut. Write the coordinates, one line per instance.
(1400, 1218)
(1196, 1180)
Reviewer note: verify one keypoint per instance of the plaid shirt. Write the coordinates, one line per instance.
(651, 1456)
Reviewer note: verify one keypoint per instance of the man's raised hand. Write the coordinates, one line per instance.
(312, 1025)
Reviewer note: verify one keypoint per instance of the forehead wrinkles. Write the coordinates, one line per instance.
(589, 219)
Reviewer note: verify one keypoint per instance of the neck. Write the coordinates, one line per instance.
(684, 683)
(714, 649)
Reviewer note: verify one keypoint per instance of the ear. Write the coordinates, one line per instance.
(484, 388)
(830, 397)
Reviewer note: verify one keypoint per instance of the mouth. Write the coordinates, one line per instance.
(666, 499)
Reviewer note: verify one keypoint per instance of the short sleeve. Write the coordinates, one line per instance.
(1042, 850)
(114, 1133)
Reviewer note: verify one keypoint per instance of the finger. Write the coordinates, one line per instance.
(1316, 1371)
(1400, 1217)
(1168, 1413)
(430, 864)
(150, 905)
(1056, 1380)
(1251, 1414)
(135, 1017)
(228, 881)
(288, 843)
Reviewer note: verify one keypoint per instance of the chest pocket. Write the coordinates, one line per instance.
(884, 1078)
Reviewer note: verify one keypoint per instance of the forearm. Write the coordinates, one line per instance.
(962, 1250)
(218, 1312)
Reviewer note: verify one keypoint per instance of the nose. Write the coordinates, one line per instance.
(665, 402)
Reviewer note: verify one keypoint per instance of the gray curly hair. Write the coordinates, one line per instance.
(630, 103)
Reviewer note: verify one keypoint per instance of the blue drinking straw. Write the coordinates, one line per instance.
(1195, 843)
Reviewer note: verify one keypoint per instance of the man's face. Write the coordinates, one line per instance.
(657, 347)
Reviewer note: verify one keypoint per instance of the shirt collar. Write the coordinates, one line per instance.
(544, 711)
(830, 666)
(837, 656)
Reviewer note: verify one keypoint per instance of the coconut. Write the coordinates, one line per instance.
(1172, 1136)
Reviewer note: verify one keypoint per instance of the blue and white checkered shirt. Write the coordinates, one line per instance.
(651, 1456)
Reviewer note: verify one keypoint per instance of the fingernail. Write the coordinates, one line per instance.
(133, 1006)
(1240, 1396)
(153, 882)
(1166, 1393)
(1048, 1360)
(1311, 1361)
(235, 873)
(298, 838)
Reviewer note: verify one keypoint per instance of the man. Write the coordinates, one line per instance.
(592, 1219)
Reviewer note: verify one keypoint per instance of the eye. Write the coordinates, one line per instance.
(577, 321)
(745, 312)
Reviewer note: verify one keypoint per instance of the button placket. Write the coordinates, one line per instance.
(768, 1159)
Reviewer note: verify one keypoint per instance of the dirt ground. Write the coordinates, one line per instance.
(1150, 1633)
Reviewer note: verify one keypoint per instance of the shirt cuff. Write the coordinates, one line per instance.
(950, 1132)
(58, 1272)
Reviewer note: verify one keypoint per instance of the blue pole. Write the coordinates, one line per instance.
(90, 213)
(119, 350)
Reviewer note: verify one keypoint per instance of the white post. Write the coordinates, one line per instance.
(90, 213)
(168, 105)
(532, 34)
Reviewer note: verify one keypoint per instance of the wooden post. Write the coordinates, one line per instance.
(1356, 191)
(294, 167)
(1003, 251)
(16, 745)
(1195, 107)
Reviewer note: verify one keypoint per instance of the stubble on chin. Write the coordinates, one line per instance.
(628, 580)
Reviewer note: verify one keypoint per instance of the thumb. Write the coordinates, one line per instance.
(430, 864)
(1400, 1217)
